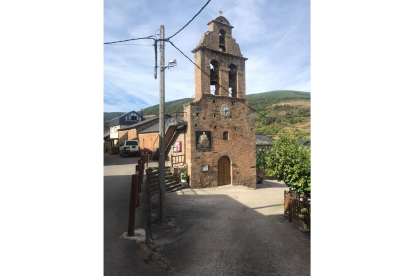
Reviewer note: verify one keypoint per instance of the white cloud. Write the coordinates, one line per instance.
(273, 35)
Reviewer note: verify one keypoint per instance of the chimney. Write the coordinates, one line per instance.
(141, 113)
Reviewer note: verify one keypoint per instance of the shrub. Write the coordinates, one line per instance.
(183, 176)
(289, 161)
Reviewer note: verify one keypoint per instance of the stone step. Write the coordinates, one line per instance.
(155, 181)
(156, 175)
(167, 184)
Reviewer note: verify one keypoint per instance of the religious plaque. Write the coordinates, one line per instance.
(203, 139)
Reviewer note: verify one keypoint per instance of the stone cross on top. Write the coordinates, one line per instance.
(220, 12)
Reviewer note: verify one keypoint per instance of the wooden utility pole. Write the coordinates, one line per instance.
(161, 138)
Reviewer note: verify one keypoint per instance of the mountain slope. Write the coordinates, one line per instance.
(285, 111)
(111, 115)
(170, 107)
(258, 101)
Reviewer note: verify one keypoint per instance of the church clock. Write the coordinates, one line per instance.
(225, 111)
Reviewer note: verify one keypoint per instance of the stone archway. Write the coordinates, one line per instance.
(224, 171)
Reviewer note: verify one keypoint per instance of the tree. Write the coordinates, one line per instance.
(260, 160)
(106, 125)
(290, 162)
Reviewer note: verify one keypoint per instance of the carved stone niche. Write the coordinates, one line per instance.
(203, 140)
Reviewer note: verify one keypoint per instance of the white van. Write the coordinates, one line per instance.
(129, 147)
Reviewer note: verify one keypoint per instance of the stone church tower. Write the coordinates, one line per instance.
(220, 137)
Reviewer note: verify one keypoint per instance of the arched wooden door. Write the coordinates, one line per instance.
(224, 176)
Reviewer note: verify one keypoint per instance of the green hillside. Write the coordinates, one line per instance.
(111, 115)
(257, 101)
(170, 107)
(285, 111)
(260, 101)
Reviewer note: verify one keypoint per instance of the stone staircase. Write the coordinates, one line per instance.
(171, 185)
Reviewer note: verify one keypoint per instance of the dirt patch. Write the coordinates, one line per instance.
(298, 103)
(304, 126)
(149, 116)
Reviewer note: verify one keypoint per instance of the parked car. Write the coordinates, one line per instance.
(129, 147)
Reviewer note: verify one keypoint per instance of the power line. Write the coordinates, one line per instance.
(148, 37)
(132, 44)
(190, 20)
(218, 84)
(168, 39)
(279, 123)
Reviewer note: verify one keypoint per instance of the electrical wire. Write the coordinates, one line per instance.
(133, 44)
(156, 40)
(148, 37)
(190, 20)
(218, 84)
(279, 123)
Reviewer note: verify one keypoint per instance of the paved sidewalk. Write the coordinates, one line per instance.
(121, 255)
(216, 231)
(231, 231)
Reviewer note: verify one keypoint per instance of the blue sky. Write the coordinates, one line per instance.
(274, 35)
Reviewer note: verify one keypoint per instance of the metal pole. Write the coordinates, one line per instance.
(132, 205)
(161, 161)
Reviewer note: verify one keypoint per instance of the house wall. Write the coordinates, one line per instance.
(130, 134)
(123, 136)
(124, 121)
(146, 141)
(179, 136)
(113, 132)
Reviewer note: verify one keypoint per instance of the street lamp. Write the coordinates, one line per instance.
(171, 63)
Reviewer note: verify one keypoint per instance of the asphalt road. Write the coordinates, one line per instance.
(120, 255)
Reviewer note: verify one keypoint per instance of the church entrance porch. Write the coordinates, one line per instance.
(224, 176)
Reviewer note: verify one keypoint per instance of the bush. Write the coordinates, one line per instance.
(260, 161)
(183, 176)
(289, 161)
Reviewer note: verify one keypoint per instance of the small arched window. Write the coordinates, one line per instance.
(222, 41)
(233, 81)
(225, 135)
(214, 77)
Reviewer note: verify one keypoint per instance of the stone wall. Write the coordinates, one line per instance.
(131, 134)
(208, 50)
(179, 136)
(205, 115)
(146, 141)
(123, 136)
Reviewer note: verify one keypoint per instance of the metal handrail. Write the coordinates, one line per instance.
(179, 116)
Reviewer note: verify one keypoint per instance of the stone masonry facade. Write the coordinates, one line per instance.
(209, 50)
(218, 47)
